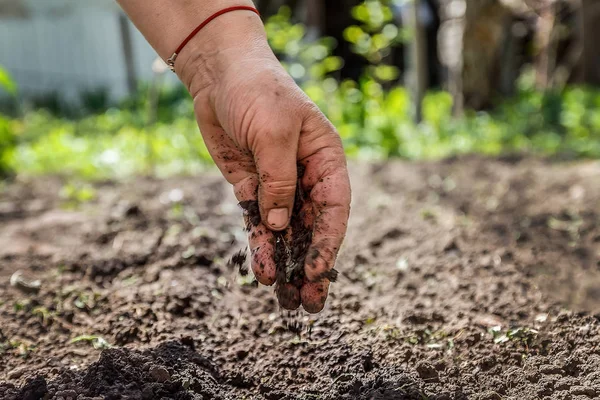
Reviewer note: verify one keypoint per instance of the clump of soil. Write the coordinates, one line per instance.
(129, 374)
(239, 260)
(291, 246)
(251, 213)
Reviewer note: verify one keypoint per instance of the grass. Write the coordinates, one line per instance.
(522, 334)
(97, 342)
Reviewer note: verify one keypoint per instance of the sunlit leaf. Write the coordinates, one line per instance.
(6, 82)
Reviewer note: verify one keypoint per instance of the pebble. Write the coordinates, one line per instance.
(490, 395)
(583, 390)
(426, 370)
(241, 354)
(159, 374)
(16, 373)
(67, 394)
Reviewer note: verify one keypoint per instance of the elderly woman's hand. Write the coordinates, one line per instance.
(258, 126)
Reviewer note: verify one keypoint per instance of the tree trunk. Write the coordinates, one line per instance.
(450, 49)
(418, 61)
(545, 46)
(483, 38)
(588, 66)
(315, 17)
(472, 43)
(128, 56)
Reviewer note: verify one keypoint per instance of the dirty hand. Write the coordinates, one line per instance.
(258, 126)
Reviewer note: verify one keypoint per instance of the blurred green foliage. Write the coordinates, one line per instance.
(8, 138)
(304, 60)
(374, 121)
(113, 144)
(74, 194)
(6, 82)
(374, 36)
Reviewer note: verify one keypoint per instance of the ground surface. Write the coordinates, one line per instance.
(455, 282)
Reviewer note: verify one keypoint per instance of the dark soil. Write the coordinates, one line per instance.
(464, 279)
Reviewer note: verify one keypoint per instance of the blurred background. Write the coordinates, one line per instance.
(83, 95)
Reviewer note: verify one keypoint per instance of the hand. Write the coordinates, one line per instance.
(258, 126)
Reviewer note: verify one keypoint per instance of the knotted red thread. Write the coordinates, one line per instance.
(171, 60)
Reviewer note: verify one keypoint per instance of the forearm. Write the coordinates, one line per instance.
(166, 23)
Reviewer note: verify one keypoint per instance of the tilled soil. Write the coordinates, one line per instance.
(464, 279)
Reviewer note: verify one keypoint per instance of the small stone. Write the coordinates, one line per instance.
(563, 383)
(426, 371)
(159, 374)
(16, 373)
(490, 395)
(583, 390)
(241, 354)
(551, 370)
(69, 394)
(27, 286)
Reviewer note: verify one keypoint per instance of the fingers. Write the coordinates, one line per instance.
(288, 296)
(260, 239)
(239, 169)
(327, 175)
(261, 248)
(313, 295)
(275, 156)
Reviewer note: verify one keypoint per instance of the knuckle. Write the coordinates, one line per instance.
(276, 137)
(279, 188)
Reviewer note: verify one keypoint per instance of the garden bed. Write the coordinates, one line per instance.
(468, 278)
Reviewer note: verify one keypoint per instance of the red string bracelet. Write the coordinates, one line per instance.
(171, 60)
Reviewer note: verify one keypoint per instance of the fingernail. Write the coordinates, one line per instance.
(278, 218)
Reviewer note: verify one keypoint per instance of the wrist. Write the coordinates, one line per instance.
(208, 55)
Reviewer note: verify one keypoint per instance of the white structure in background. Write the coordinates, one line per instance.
(69, 47)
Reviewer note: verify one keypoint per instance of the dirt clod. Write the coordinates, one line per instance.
(251, 213)
(27, 286)
(239, 260)
(160, 374)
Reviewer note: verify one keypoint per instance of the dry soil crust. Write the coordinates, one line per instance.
(454, 283)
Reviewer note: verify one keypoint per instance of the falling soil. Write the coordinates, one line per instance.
(469, 278)
(239, 260)
(290, 250)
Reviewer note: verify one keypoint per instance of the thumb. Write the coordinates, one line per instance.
(275, 160)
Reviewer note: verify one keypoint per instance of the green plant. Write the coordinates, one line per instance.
(374, 37)
(523, 335)
(8, 142)
(75, 194)
(97, 342)
(306, 60)
(108, 145)
(8, 138)
(7, 83)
